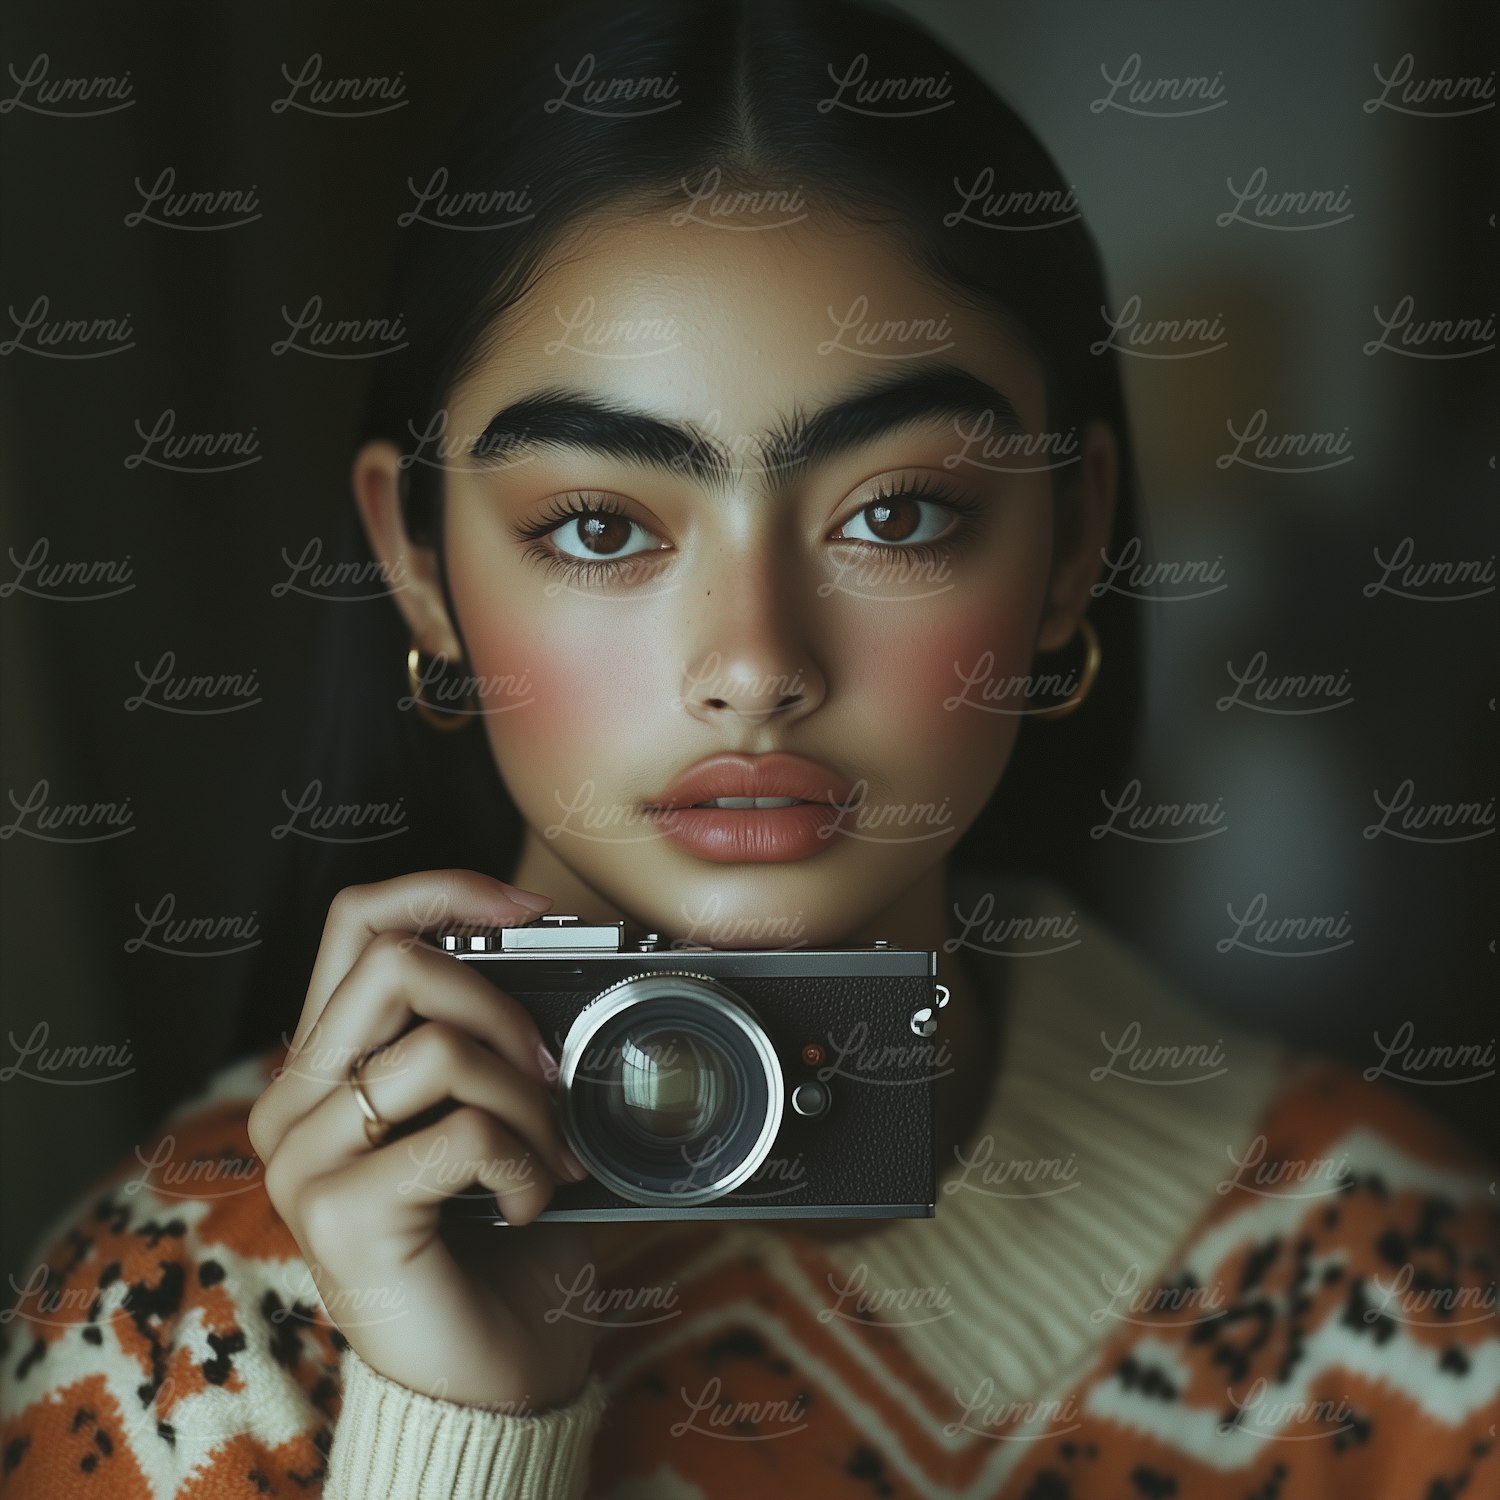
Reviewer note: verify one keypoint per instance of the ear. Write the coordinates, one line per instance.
(378, 481)
(1086, 514)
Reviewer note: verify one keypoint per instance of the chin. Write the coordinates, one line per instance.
(761, 907)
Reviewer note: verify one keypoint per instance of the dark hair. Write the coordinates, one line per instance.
(749, 82)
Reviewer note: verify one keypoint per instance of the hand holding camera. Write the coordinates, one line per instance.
(462, 1109)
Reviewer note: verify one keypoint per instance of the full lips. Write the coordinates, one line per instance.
(759, 835)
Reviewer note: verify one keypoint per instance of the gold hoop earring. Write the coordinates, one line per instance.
(445, 719)
(1091, 660)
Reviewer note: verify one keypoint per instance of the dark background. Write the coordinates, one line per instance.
(205, 554)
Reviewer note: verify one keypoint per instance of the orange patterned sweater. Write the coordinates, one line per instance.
(1172, 1262)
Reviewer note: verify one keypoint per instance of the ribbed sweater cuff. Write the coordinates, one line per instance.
(393, 1441)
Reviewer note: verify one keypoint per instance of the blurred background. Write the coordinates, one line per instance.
(1296, 207)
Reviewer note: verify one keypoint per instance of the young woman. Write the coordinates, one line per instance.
(750, 459)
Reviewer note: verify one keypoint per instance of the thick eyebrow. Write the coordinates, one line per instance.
(884, 404)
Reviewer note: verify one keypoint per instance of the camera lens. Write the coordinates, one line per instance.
(673, 1085)
(671, 1089)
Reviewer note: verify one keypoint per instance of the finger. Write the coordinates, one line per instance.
(440, 1064)
(407, 903)
(391, 985)
(382, 1205)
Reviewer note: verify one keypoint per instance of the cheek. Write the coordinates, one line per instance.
(914, 678)
(918, 656)
(583, 678)
(581, 659)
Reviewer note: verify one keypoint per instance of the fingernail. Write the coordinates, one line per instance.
(575, 1167)
(531, 900)
(550, 1069)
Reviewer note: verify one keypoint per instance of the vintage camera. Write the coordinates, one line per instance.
(701, 1083)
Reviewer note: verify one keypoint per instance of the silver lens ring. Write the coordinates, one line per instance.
(728, 1009)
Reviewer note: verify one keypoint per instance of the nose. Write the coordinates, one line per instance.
(736, 693)
(752, 661)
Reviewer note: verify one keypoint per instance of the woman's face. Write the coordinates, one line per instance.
(740, 556)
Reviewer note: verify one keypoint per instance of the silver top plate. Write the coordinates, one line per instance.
(546, 934)
(606, 937)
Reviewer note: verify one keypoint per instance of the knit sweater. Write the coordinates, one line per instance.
(1170, 1260)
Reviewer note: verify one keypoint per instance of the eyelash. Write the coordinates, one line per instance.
(559, 513)
(575, 569)
(926, 488)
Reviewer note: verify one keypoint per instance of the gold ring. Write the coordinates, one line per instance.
(377, 1127)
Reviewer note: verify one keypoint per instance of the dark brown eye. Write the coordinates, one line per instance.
(893, 520)
(590, 529)
(908, 517)
(603, 534)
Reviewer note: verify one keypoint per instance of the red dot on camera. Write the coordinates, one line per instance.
(812, 1054)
